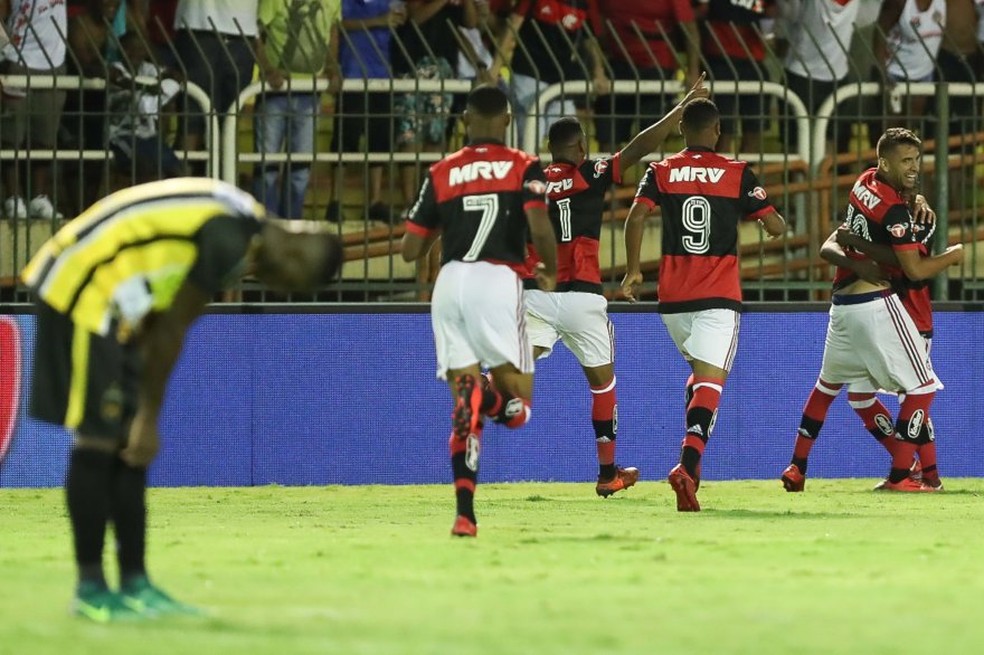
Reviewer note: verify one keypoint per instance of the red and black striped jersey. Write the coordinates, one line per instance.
(704, 196)
(577, 202)
(915, 294)
(477, 198)
(878, 213)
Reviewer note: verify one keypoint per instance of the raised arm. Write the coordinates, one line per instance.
(651, 138)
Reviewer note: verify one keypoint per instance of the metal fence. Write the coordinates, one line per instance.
(358, 167)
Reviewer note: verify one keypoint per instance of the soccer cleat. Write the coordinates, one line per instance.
(792, 479)
(685, 488)
(915, 471)
(933, 481)
(141, 596)
(905, 485)
(99, 604)
(624, 478)
(464, 527)
(466, 414)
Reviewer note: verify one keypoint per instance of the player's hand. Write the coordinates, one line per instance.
(844, 237)
(869, 271)
(629, 284)
(546, 281)
(921, 211)
(142, 443)
(698, 90)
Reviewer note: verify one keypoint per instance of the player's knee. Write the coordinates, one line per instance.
(860, 400)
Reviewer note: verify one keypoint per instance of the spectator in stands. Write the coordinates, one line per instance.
(298, 40)
(732, 42)
(160, 22)
(961, 58)
(907, 41)
(141, 153)
(214, 42)
(29, 117)
(363, 52)
(548, 42)
(90, 35)
(815, 39)
(426, 49)
(649, 57)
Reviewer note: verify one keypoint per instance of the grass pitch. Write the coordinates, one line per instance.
(372, 570)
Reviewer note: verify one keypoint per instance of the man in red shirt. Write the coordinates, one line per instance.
(648, 57)
(703, 196)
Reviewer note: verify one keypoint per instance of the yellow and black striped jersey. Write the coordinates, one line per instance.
(128, 254)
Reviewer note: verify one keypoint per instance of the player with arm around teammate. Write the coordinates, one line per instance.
(703, 196)
(116, 290)
(872, 342)
(482, 200)
(577, 312)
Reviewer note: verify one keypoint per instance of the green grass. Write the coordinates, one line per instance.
(555, 569)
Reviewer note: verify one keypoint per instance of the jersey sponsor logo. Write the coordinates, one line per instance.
(487, 170)
(865, 196)
(884, 425)
(758, 193)
(560, 186)
(600, 166)
(916, 424)
(696, 174)
(897, 230)
(10, 381)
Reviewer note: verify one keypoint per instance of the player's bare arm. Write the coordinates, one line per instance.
(544, 239)
(653, 136)
(867, 269)
(921, 211)
(774, 224)
(160, 340)
(635, 225)
(917, 267)
(414, 246)
(881, 253)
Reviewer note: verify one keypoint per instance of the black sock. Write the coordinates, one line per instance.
(606, 471)
(690, 458)
(898, 475)
(800, 463)
(464, 494)
(129, 512)
(88, 492)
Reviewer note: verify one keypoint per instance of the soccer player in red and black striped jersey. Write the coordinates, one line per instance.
(577, 312)
(872, 342)
(483, 200)
(916, 298)
(704, 196)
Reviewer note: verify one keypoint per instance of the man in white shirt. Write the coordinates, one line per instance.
(215, 41)
(29, 117)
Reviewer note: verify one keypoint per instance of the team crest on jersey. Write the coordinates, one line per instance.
(758, 193)
(897, 230)
(600, 166)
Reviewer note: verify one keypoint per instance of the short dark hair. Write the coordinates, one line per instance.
(565, 131)
(895, 137)
(699, 114)
(489, 101)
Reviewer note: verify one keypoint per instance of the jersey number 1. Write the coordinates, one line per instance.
(488, 204)
(564, 205)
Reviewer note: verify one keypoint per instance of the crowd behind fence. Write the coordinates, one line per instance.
(328, 110)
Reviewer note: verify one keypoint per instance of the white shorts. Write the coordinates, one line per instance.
(710, 335)
(868, 387)
(478, 317)
(875, 345)
(578, 318)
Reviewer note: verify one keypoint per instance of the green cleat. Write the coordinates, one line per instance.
(143, 597)
(97, 603)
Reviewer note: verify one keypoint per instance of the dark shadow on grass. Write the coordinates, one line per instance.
(780, 514)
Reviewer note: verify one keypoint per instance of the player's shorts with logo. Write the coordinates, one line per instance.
(577, 318)
(873, 344)
(708, 335)
(478, 316)
(84, 381)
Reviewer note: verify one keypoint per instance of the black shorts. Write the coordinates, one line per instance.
(359, 113)
(84, 381)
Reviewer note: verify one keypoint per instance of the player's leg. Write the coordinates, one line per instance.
(74, 375)
(589, 335)
(811, 422)
(875, 416)
(926, 444)
(909, 427)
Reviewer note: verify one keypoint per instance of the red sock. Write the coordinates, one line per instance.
(700, 419)
(876, 417)
(814, 414)
(464, 467)
(913, 415)
(603, 415)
